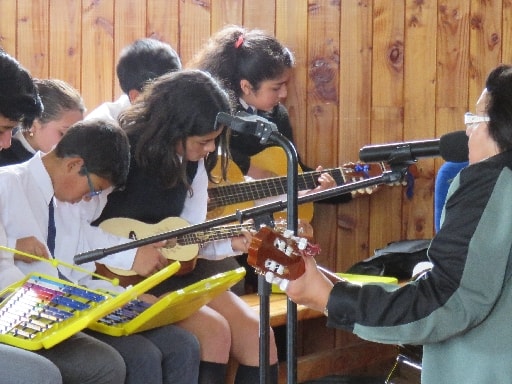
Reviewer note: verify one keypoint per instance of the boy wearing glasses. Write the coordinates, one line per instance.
(80, 358)
(92, 156)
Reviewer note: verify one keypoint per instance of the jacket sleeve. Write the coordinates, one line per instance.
(455, 295)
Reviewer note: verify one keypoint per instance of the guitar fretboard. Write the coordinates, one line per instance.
(215, 233)
(254, 190)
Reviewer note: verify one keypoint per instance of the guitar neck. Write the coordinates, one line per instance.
(215, 233)
(259, 189)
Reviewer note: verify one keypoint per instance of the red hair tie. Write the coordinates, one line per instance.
(239, 41)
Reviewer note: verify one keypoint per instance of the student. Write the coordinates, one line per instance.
(92, 156)
(175, 144)
(460, 309)
(81, 358)
(63, 106)
(255, 68)
(139, 63)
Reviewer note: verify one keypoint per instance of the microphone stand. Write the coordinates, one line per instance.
(267, 131)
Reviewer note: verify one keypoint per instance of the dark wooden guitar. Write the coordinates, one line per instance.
(278, 255)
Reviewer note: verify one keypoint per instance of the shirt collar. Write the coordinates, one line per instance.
(41, 176)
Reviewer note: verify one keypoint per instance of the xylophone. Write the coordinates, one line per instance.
(137, 316)
(41, 311)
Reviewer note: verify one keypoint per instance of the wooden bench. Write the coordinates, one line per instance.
(353, 358)
(278, 308)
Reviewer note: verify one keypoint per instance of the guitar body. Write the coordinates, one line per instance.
(134, 229)
(234, 176)
(273, 159)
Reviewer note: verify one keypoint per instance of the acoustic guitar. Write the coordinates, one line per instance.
(225, 199)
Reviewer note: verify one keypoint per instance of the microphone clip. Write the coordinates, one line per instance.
(248, 124)
(401, 156)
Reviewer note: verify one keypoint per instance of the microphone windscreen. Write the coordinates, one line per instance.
(454, 147)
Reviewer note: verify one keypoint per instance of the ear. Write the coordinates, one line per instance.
(245, 86)
(133, 94)
(73, 164)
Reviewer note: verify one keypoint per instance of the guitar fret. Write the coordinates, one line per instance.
(216, 233)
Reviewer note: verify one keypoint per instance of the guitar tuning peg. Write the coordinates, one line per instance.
(288, 233)
(302, 244)
(284, 284)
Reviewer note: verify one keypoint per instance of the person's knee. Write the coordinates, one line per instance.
(109, 366)
(216, 341)
(188, 349)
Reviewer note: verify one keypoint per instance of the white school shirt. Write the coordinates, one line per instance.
(110, 110)
(194, 212)
(25, 192)
(9, 273)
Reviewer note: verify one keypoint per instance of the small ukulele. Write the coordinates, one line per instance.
(183, 248)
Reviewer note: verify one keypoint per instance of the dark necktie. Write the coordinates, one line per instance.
(52, 232)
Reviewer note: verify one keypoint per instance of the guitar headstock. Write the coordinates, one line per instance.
(279, 255)
(358, 171)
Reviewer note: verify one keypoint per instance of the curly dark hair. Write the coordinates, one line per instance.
(172, 108)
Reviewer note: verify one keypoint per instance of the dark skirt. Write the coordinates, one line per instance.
(204, 269)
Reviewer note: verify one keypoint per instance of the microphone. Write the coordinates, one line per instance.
(248, 124)
(452, 147)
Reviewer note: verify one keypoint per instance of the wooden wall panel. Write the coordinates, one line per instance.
(293, 12)
(484, 44)
(506, 28)
(163, 21)
(195, 19)
(387, 111)
(226, 12)
(7, 27)
(261, 14)
(419, 104)
(65, 43)
(98, 58)
(356, 51)
(32, 36)
(129, 25)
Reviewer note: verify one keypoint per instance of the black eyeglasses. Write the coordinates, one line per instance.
(93, 192)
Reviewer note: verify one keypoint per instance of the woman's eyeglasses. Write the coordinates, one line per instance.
(471, 119)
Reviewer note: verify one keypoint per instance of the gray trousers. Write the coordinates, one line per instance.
(167, 355)
(18, 366)
(83, 359)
